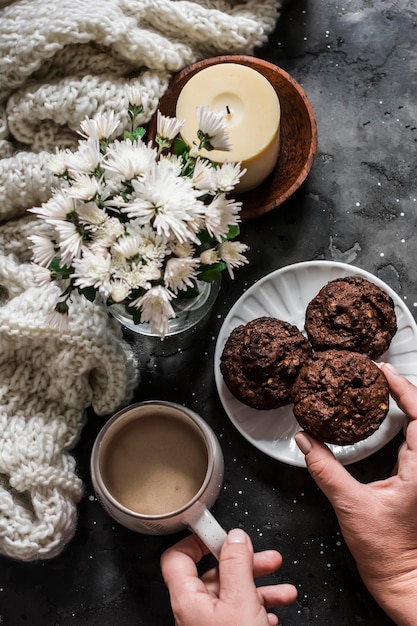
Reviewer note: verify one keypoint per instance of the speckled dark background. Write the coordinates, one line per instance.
(357, 62)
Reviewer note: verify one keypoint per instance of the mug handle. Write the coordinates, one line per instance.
(207, 528)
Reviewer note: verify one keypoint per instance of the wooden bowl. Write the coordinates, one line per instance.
(298, 132)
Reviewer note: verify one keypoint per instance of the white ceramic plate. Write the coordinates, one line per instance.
(285, 294)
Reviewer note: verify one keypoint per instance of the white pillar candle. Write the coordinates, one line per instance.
(251, 111)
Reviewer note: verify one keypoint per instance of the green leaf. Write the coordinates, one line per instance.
(233, 232)
(56, 270)
(89, 293)
(187, 295)
(54, 265)
(213, 272)
(139, 132)
(204, 237)
(135, 314)
(180, 146)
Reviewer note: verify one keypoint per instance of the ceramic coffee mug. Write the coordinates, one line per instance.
(157, 468)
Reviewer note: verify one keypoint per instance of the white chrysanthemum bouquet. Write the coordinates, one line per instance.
(135, 222)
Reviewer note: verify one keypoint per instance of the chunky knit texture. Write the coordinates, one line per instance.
(61, 62)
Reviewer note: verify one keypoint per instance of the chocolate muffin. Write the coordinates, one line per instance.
(351, 313)
(340, 397)
(261, 360)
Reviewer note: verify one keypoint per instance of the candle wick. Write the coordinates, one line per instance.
(228, 110)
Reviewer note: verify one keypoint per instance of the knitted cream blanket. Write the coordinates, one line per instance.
(60, 62)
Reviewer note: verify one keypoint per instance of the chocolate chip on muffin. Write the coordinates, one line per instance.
(340, 397)
(351, 313)
(261, 360)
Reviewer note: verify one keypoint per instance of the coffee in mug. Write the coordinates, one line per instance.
(157, 468)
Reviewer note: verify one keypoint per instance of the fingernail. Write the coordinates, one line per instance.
(391, 368)
(237, 535)
(303, 442)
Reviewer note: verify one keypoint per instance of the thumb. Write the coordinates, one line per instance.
(236, 567)
(332, 478)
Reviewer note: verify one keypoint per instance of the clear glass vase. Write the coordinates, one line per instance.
(189, 312)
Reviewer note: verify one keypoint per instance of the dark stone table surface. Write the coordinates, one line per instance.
(357, 62)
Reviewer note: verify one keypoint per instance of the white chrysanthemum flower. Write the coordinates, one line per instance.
(204, 176)
(170, 162)
(156, 309)
(92, 270)
(119, 290)
(41, 275)
(231, 253)
(213, 126)
(115, 203)
(113, 228)
(57, 208)
(221, 213)
(138, 276)
(43, 249)
(228, 175)
(125, 159)
(86, 159)
(134, 95)
(101, 126)
(108, 190)
(69, 242)
(182, 250)
(153, 247)
(91, 215)
(58, 163)
(180, 273)
(209, 257)
(167, 201)
(128, 246)
(168, 127)
(57, 321)
(99, 248)
(84, 187)
(154, 252)
(111, 188)
(143, 243)
(106, 234)
(118, 261)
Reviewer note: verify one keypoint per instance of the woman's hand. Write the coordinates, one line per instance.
(378, 520)
(225, 596)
